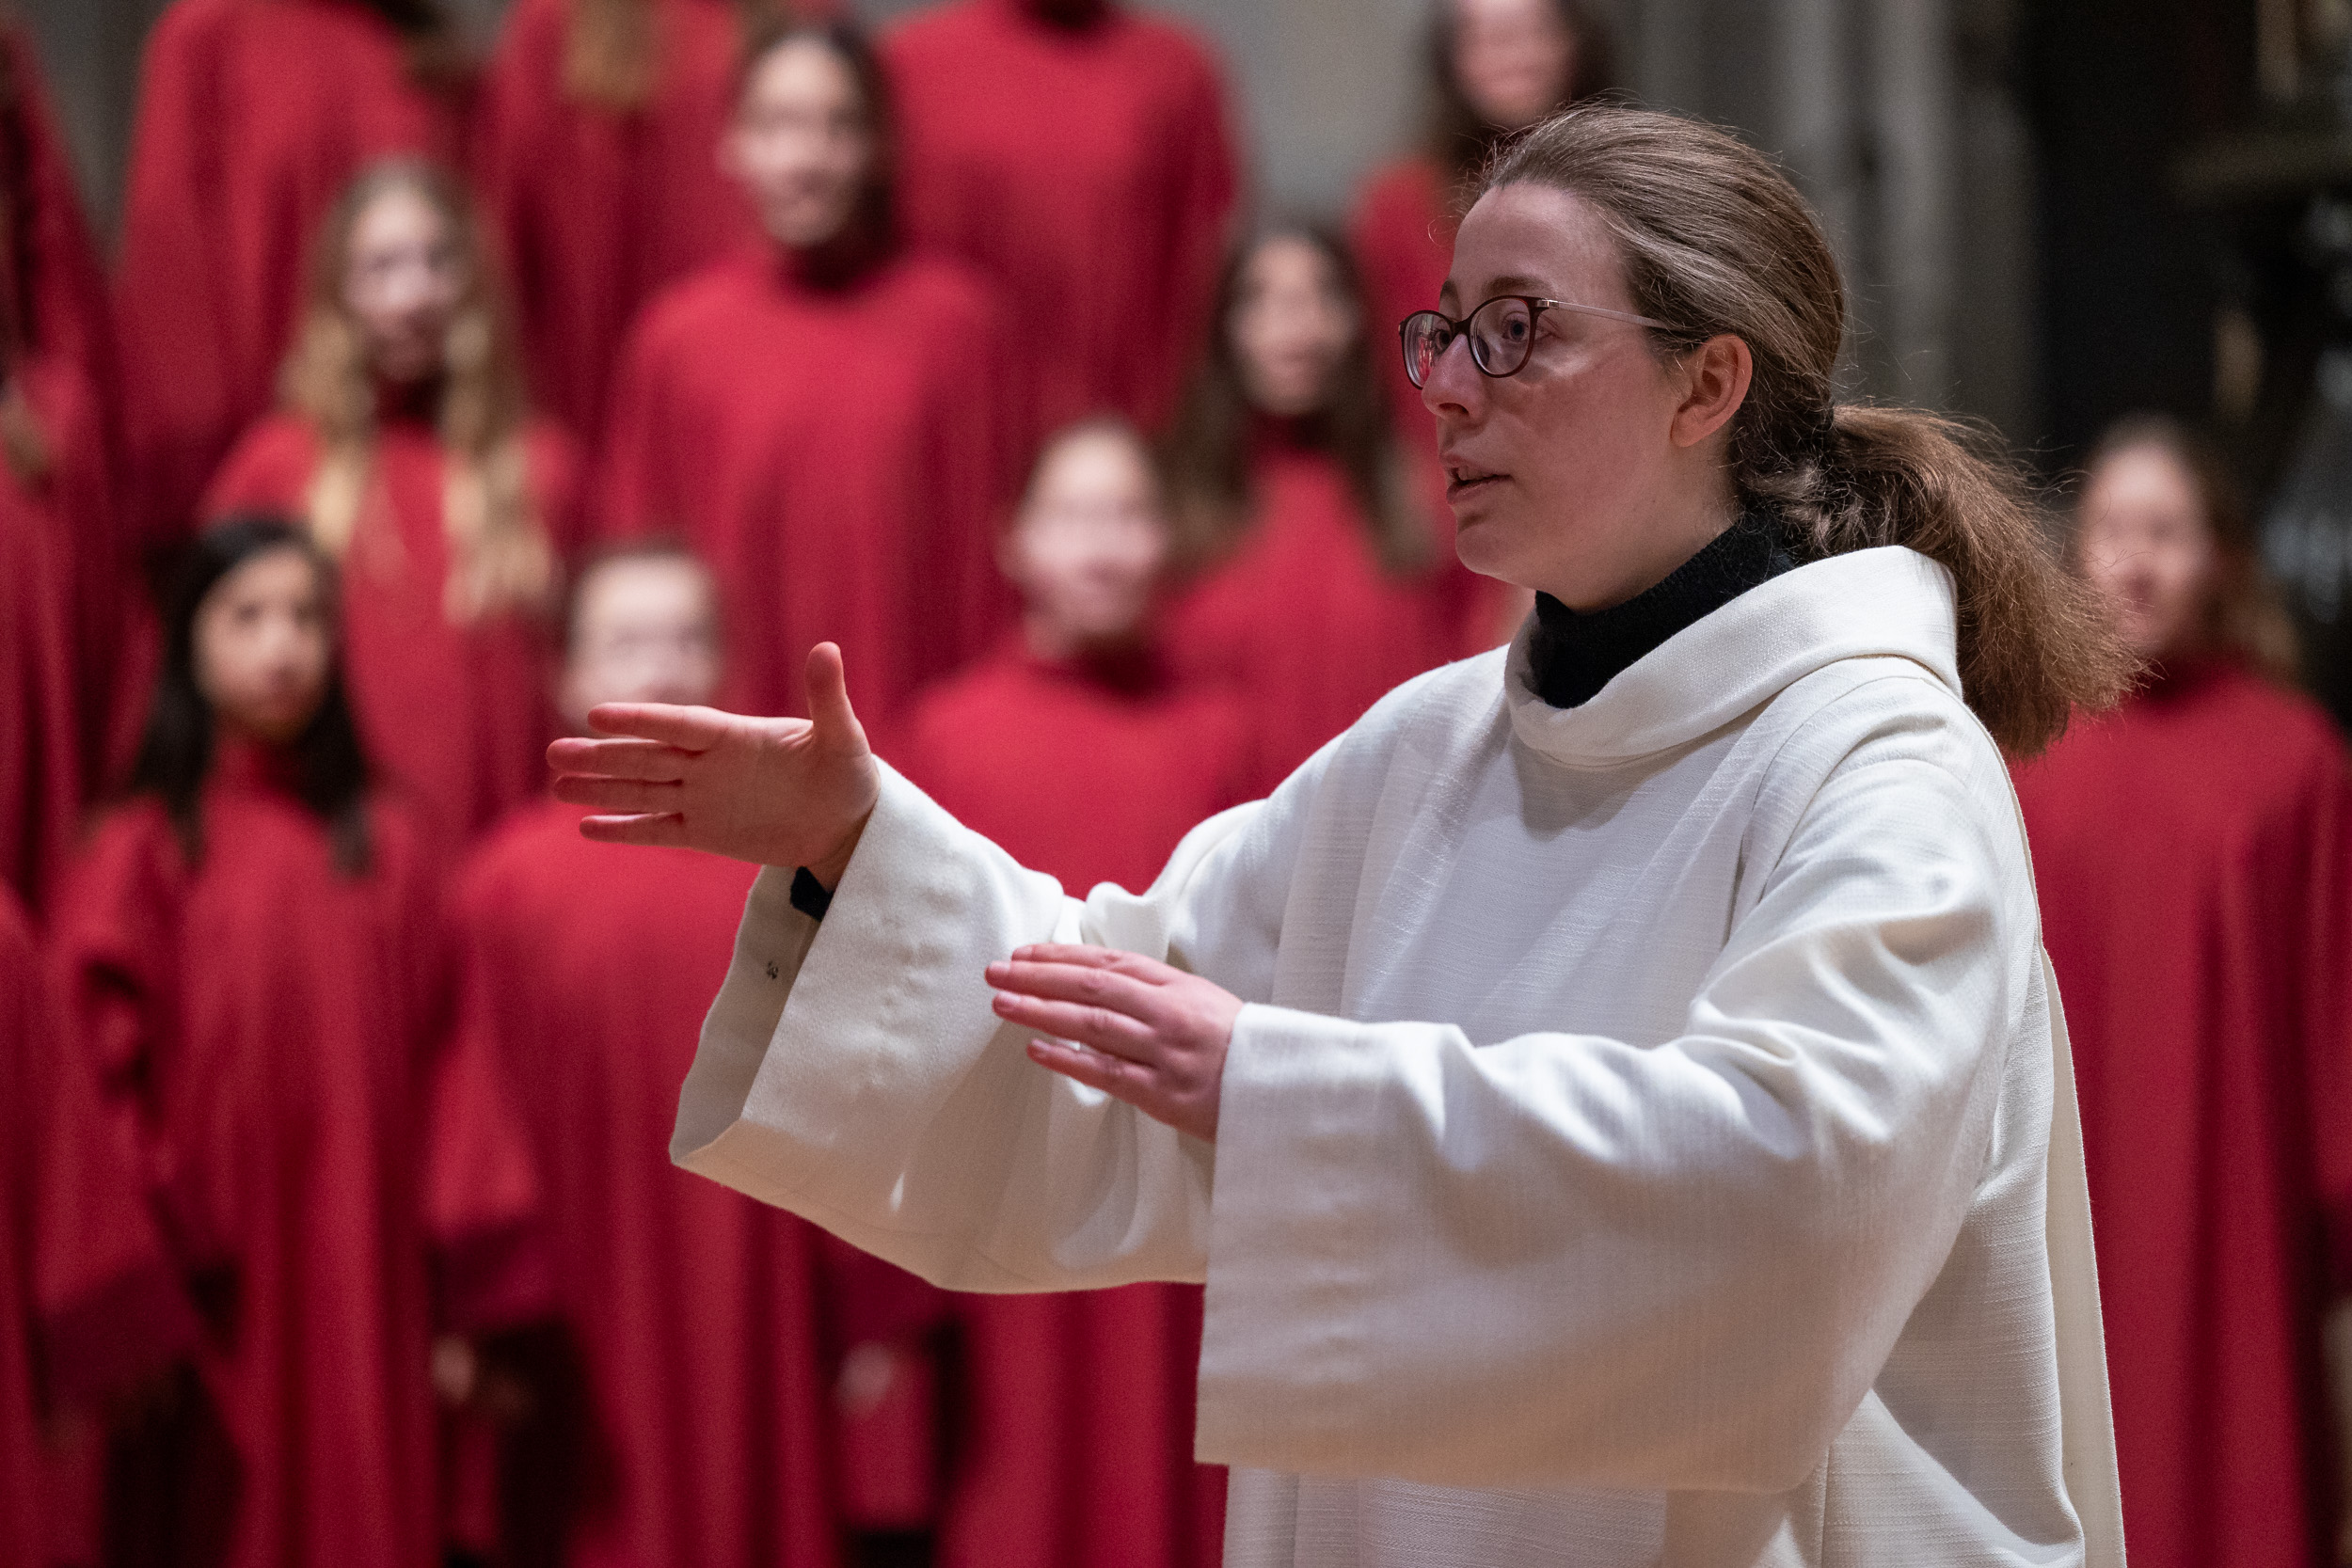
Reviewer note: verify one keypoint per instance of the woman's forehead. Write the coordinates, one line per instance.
(1531, 239)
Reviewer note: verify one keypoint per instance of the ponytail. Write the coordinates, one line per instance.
(1715, 239)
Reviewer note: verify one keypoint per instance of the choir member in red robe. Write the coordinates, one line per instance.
(255, 951)
(1081, 1452)
(254, 116)
(1078, 152)
(89, 1306)
(598, 120)
(2191, 853)
(406, 443)
(1495, 67)
(1318, 581)
(828, 418)
(61, 571)
(697, 1311)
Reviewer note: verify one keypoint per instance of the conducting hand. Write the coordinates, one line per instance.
(1156, 1035)
(784, 792)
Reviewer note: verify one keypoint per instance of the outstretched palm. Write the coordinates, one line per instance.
(776, 791)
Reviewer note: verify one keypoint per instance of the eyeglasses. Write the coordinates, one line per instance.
(1502, 333)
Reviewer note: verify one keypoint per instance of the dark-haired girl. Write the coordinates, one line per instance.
(829, 419)
(1495, 67)
(406, 444)
(254, 945)
(253, 116)
(2194, 855)
(598, 118)
(1318, 578)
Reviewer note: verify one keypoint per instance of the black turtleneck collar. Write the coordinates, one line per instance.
(1571, 656)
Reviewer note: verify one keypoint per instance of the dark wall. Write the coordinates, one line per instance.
(2130, 275)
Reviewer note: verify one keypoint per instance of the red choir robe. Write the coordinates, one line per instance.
(1080, 1454)
(42, 764)
(2191, 856)
(330, 1175)
(253, 116)
(600, 208)
(458, 712)
(697, 1311)
(1305, 622)
(1402, 232)
(67, 368)
(1090, 172)
(88, 1304)
(839, 455)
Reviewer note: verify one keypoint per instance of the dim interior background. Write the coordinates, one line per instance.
(2051, 211)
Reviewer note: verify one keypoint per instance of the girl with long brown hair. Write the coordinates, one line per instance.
(2193, 854)
(1317, 581)
(1495, 67)
(253, 116)
(1615, 1092)
(598, 120)
(405, 442)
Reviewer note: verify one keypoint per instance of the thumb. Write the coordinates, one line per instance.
(828, 709)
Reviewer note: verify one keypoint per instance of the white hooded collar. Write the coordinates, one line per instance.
(1875, 603)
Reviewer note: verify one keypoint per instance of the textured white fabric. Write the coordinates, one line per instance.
(1635, 1149)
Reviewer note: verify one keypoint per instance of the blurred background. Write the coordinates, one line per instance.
(2012, 184)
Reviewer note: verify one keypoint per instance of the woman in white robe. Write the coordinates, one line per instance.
(1614, 1093)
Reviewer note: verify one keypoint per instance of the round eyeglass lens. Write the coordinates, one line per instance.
(1425, 335)
(1501, 333)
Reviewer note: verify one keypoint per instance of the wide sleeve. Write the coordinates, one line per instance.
(1567, 1259)
(853, 1072)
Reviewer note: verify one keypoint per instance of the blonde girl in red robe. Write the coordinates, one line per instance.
(255, 948)
(1316, 577)
(2193, 851)
(253, 116)
(1495, 67)
(405, 442)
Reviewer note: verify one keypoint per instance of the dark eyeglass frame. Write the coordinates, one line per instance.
(1536, 308)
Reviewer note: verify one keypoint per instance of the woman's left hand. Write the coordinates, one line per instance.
(1155, 1036)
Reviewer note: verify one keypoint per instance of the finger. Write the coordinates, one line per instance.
(1135, 965)
(668, 828)
(694, 729)
(627, 797)
(1099, 1027)
(619, 759)
(828, 689)
(1117, 1078)
(1088, 984)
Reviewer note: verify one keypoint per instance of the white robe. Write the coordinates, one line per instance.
(1649, 1138)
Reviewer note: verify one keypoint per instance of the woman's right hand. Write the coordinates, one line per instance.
(784, 792)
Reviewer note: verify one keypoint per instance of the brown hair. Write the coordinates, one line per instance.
(435, 54)
(1713, 238)
(1206, 457)
(613, 50)
(2244, 614)
(1459, 138)
(871, 231)
(499, 557)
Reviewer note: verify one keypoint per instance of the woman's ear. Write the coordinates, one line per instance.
(1715, 383)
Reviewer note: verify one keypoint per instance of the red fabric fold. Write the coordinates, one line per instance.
(2191, 850)
(839, 456)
